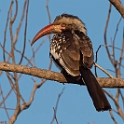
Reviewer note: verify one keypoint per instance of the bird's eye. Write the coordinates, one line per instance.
(70, 25)
(63, 24)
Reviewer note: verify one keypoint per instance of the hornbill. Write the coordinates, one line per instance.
(72, 51)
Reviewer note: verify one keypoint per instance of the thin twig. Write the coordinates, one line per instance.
(120, 112)
(105, 34)
(8, 94)
(25, 32)
(97, 59)
(5, 31)
(113, 41)
(55, 109)
(4, 103)
(110, 112)
(103, 70)
(49, 17)
(122, 50)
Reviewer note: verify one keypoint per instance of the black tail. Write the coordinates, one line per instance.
(98, 97)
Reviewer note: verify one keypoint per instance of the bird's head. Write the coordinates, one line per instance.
(61, 23)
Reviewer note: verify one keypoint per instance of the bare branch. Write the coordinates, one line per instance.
(5, 97)
(13, 42)
(122, 50)
(113, 41)
(97, 59)
(36, 86)
(25, 31)
(7, 20)
(46, 74)
(49, 17)
(113, 117)
(95, 64)
(105, 35)
(120, 112)
(4, 102)
(55, 109)
(118, 5)
(27, 105)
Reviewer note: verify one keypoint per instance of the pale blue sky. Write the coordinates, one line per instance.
(75, 105)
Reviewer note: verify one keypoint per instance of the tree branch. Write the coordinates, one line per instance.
(118, 5)
(49, 75)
